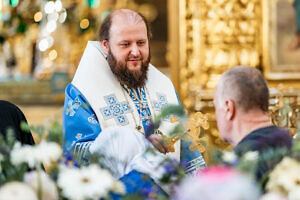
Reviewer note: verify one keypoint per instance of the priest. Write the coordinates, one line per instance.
(115, 85)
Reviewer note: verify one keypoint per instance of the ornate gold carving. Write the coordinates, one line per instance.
(284, 111)
(285, 107)
(216, 35)
(197, 121)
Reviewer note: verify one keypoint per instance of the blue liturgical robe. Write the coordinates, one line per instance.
(90, 108)
(81, 127)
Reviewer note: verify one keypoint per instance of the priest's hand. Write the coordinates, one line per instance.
(159, 143)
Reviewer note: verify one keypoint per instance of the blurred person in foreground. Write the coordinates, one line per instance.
(241, 103)
(116, 86)
(11, 118)
(215, 183)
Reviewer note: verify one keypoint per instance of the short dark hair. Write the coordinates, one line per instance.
(104, 31)
(247, 86)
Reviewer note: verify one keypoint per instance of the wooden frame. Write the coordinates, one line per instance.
(281, 50)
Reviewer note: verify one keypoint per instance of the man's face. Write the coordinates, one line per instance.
(128, 51)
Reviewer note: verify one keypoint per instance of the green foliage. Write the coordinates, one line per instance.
(177, 130)
(9, 172)
(133, 196)
(39, 130)
(25, 127)
(173, 177)
(176, 110)
(55, 132)
(284, 113)
(13, 3)
(52, 132)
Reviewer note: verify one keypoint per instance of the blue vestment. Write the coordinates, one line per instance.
(81, 127)
(96, 101)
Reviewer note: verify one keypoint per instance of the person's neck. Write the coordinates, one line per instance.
(249, 122)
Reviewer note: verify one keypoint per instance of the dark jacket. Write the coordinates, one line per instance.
(263, 140)
(10, 118)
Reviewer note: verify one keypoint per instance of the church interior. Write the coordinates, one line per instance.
(193, 43)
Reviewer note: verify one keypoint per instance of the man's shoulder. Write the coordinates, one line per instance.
(263, 138)
(154, 69)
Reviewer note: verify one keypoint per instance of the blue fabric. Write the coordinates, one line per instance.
(81, 127)
(191, 160)
(80, 124)
(144, 113)
(141, 184)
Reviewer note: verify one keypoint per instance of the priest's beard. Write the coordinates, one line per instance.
(133, 79)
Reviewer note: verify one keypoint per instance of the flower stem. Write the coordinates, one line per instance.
(39, 188)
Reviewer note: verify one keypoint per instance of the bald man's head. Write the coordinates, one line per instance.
(128, 16)
(246, 86)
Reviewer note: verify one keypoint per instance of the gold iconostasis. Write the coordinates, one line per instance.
(194, 41)
(210, 36)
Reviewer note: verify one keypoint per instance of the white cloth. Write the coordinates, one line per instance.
(124, 149)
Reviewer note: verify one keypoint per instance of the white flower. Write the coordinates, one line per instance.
(251, 156)
(44, 152)
(17, 191)
(22, 154)
(49, 190)
(229, 156)
(294, 194)
(118, 187)
(89, 182)
(48, 152)
(273, 196)
(285, 177)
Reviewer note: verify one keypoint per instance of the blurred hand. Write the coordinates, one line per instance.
(159, 143)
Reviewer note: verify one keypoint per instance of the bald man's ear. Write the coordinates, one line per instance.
(104, 45)
(230, 109)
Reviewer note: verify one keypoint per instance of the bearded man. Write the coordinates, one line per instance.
(115, 85)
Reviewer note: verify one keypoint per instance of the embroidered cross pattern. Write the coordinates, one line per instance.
(145, 114)
(115, 110)
(161, 103)
(141, 105)
(73, 105)
(78, 136)
(92, 119)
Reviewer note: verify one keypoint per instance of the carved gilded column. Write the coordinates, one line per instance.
(173, 46)
(214, 36)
